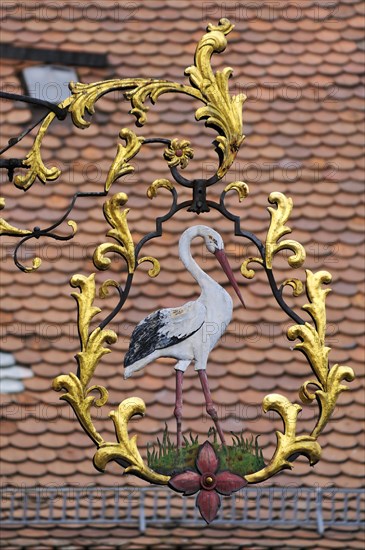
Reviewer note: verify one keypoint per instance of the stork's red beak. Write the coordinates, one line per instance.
(223, 260)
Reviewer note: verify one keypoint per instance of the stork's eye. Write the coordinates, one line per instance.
(213, 240)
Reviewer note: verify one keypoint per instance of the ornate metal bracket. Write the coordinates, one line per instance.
(222, 112)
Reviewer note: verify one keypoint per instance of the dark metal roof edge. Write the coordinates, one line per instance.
(60, 57)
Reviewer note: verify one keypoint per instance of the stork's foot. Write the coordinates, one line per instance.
(211, 410)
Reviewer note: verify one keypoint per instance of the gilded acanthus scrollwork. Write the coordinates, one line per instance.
(120, 166)
(288, 443)
(121, 233)
(312, 336)
(126, 450)
(6, 228)
(92, 350)
(79, 394)
(328, 383)
(277, 229)
(328, 380)
(155, 185)
(221, 112)
(179, 153)
(240, 187)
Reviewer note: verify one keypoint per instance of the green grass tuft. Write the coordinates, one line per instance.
(242, 457)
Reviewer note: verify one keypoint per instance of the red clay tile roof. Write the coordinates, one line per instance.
(303, 120)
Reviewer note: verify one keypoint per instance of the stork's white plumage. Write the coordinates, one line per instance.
(187, 333)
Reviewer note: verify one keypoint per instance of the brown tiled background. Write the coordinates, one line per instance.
(301, 67)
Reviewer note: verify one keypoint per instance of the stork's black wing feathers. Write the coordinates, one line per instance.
(146, 338)
(163, 329)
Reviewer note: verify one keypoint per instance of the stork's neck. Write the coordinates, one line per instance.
(185, 255)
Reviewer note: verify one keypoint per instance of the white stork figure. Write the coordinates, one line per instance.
(187, 333)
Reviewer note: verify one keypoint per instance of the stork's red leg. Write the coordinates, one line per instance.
(211, 410)
(178, 407)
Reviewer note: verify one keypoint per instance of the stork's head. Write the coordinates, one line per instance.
(215, 245)
(213, 240)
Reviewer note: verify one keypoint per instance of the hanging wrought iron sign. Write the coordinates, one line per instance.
(214, 468)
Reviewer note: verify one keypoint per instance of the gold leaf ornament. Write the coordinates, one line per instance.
(240, 187)
(157, 184)
(296, 285)
(328, 380)
(104, 289)
(126, 450)
(313, 336)
(248, 272)
(77, 396)
(328, 383)
(92, 345)
(153, 89)
(327, 397)
(89, 358)
(37, 169)
(36, 263)
(179, 153)
(120, 166)
(120, 232)
(84, 299)
(84, 96)
(279, 217)
(5, 227)
(288, 443)
(33, 160)
(155, 269)
(222, 110)
(277, 229)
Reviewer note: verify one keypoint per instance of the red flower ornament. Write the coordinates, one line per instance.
(208, 481)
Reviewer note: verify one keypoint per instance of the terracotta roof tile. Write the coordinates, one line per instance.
(309, 130)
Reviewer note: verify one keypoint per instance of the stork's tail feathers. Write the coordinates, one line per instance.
(138, 365)
(127, 373)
